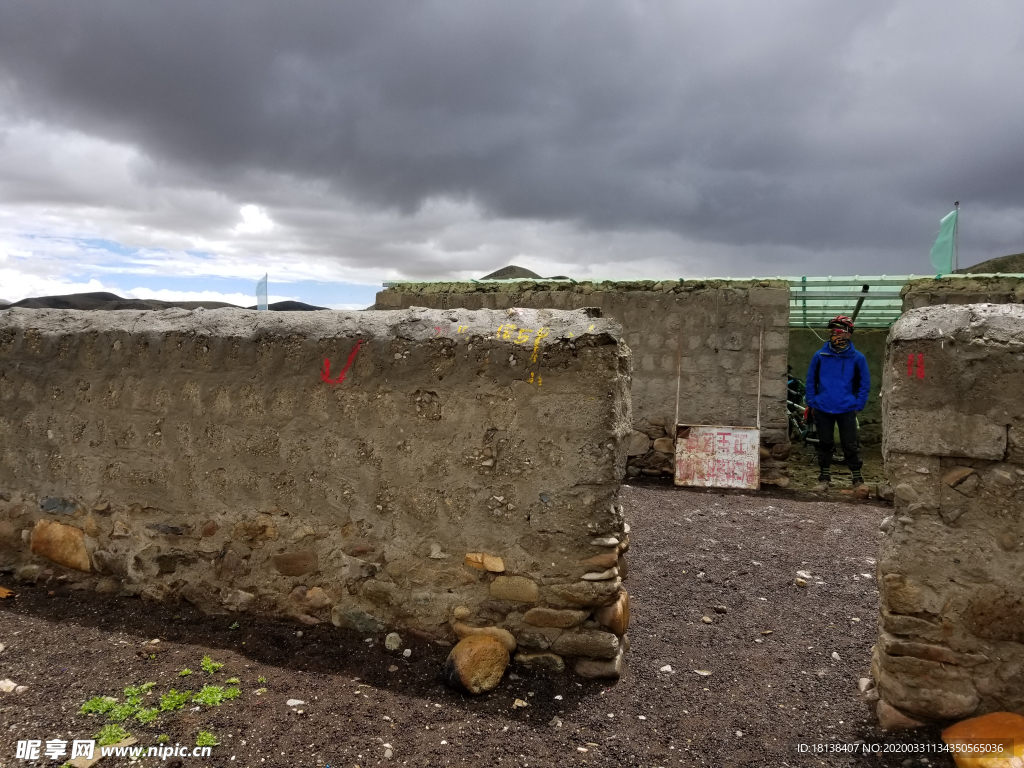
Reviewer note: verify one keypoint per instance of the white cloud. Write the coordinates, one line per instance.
(254, 221)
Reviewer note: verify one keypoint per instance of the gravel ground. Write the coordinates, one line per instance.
(774, 682)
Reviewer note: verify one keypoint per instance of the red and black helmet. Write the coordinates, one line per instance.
(841, 321)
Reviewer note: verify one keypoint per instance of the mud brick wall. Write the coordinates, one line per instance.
(717, 324)
(417, 469)
(951, 567)
(928, 292)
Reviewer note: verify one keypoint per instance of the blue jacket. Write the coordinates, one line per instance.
(838, 382)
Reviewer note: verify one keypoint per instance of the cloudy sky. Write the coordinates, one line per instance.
(183, 149)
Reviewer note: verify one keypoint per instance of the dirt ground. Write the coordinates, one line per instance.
(774, 680)
(803, 470)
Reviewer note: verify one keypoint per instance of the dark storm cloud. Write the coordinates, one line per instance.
(810, 127)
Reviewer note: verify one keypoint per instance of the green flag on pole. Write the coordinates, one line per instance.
(942, 251)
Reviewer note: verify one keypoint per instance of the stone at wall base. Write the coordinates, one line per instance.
(592, 643)
(995, 726)
(597, 669)
(517, 589)
(891, 719)
(548, 662)
(476, 664)
(353, 618)
(61, 544)
(503, 636)
(616, 615)
(27, 574)
(553, 617)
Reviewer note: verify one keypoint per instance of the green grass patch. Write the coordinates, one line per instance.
(210, 695)
(147, 716)
(163, 738)
(122, 712)
(98, 705)
(261, 680)
(206, 739)
(232, 681)
(136, 692)
(185, 672)
(111, 734)
(210, 666)
(232, 693)
(173, 700)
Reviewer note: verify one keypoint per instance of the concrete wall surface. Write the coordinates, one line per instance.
(715, 326)
(441, 472)
(927, 292)
(951, 566)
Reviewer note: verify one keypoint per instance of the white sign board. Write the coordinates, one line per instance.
(718, 457)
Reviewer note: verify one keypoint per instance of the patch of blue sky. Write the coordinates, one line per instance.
(311, 292)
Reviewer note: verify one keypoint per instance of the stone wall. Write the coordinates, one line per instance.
(951, 566)
(430, 470)
(929, 291)
(715, 325)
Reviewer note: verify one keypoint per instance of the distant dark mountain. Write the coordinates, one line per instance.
(1014, 263)
(103, 300)
(291, 306)
(512, 272)
(4, 303)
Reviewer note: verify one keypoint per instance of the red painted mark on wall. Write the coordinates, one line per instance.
(325, 372)
(911, 366)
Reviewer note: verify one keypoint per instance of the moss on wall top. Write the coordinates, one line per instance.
(964, 285)
(587, 286)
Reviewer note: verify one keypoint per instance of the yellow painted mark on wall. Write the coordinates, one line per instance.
(524, 335)
(541, 334)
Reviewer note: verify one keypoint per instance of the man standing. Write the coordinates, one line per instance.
(838, 383)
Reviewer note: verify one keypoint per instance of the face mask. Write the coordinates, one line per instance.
(838, 342)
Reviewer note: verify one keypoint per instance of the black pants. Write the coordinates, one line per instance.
(826, 423)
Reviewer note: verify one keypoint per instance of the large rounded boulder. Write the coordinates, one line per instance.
(476, 664)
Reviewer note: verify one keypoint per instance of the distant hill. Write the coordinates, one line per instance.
(512, 272)
(4, 303)
(1012, 263)
(291, 306)
(110, 301)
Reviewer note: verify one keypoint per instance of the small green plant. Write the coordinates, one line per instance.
(261, 680)
(185, 672)
(98, 705)
(122, 712)
(134, 693)
(173, 700)
(163, 738)
(260, 691)
(232, 681)
(232, 693)
(210, 695)
(210, 666)
(147, 716)
(234, 626)
(111, 734)
(206, 739)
